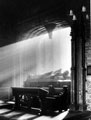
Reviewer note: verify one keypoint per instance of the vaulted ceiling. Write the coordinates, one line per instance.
(18, 17)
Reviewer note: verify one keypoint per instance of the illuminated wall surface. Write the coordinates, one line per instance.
(35, 56)
(88, 92)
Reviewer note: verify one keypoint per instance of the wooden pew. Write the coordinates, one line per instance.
(37, 97)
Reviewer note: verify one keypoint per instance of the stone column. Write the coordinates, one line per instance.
(72, 67)
(78, 66)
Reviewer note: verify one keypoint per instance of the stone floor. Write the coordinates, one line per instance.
(7, 113)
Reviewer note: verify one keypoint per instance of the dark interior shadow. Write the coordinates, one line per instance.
(51, 113)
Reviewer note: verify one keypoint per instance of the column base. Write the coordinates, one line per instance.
(74, 107)
(78, 107)
(84, 107)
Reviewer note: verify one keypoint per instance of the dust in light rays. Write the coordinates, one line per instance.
(56, 50)
(36, 55)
